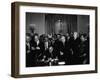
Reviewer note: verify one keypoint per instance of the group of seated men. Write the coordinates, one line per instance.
(57, 49)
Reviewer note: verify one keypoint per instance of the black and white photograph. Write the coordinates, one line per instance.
(57, 39)
(52, 39)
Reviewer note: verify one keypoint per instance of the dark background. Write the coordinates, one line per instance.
(57, 23)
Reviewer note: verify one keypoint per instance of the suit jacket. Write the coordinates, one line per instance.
(49, 55)
(36, 52)
(28, 47)
(75, 46)
(35, 45)
(29, 58)
(62, 47)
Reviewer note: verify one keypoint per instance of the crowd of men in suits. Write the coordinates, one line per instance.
(49, 50)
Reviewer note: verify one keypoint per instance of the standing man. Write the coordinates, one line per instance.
(65, 53)
(37, 49)
(75, 48)
(28, 51)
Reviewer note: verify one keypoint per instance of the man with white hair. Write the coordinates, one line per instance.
(75, 47)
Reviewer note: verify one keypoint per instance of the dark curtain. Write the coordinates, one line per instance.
(60, 23)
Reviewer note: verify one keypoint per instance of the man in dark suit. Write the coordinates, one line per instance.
(69, 49)
(28, 51)
(65, 53)
(57, 45)
(50, 56)
(37, 49)
(75, 48)
(84, 50)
